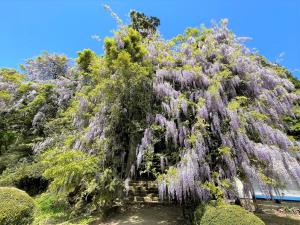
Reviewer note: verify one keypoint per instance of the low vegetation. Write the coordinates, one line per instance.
(16, 207)
(225, 215)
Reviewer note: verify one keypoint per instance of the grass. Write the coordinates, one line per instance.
(51, 210)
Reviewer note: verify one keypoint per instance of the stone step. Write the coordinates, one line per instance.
(142, 194)
(141, 187)
(146, 199)
(143, 190)
(138, 188)
(150, 184)
(141, 199)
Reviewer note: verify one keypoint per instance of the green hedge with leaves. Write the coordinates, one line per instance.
(16, 207)
(225, 215)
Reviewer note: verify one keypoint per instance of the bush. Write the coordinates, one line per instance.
(16, 207)
(199, 212)
(51, 209)
(225, 215)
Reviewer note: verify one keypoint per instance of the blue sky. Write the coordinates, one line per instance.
(29, 27)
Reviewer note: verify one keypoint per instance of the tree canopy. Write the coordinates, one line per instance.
(144, 24)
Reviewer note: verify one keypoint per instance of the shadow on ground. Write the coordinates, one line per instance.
(147, 215)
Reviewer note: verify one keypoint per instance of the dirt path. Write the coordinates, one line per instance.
(148, 215)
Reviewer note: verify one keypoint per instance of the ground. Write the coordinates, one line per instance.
(147, 215)
(272, 219)
(274, 214)
(172, 215)
(152, 214)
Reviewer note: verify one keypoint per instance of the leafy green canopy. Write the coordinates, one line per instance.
(144, 24)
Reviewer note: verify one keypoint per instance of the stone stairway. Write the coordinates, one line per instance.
(143, 192)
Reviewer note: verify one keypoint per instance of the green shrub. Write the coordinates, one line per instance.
(225, 215)
(51, 209)
(198, 214)
(16, 207)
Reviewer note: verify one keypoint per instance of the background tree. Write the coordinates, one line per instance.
(46, 66)
(145, 25)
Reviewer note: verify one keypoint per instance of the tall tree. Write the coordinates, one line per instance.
(145, 25)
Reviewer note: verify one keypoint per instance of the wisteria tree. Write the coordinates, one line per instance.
(222, 111)
(196, 113)
(46, 66)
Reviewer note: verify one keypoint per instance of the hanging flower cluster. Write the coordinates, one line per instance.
(222, 113)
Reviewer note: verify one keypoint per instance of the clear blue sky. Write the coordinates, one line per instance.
(29, 27)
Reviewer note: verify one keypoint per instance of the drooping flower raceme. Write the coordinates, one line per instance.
(222, 116)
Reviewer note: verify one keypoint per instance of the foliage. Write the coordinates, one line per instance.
(11, 75)
(26, 176)
(16, 207)
(198, 213)
(225, 215)
(74, 176)
(67, 169)
(85, 60)
(127, 41)
(50, 209)
(145, 25)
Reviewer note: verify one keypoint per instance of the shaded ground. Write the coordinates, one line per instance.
(271, 216)
(147, 215)
(272, 219)
(172, 215)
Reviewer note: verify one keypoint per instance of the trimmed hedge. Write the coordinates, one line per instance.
(225, 215)
(16, 207)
